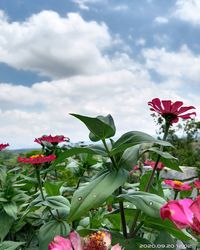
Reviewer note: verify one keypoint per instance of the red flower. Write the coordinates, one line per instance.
(178, 185)
(195, 208)
(160, 165)
(37, 159)
(51, 139)
(2, 146)
(171, 111)
(197, 184)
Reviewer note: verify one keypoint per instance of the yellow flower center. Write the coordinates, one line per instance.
(36, 156)
(178, 183)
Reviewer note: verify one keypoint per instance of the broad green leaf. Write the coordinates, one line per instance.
(130, 157)
(132, 138)
(101, 127)
(149, 203)
(53, 189)
(51, 229)
(167, 225)
(10, 245)
(11, 209)
(165, 155)
(57, 202)
(164, 240)
(96, 192)
(6, 222)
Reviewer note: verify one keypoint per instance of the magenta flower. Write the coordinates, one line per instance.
(178, 211)
(178, 185)
(3, 146)
(195, 208)
(183, 213)
(99, 241)
(37, 159)
(197, 184)
(170, 111)
(160, 165)
(51, 139)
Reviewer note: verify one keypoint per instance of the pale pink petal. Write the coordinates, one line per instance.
(116, 247)
(76, 240)
(107, 239)
(60, 243)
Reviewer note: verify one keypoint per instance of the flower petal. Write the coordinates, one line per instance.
(116, 247)
(75, 240)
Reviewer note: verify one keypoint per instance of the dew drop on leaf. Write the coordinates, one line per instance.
(79, 198)
(150, 203)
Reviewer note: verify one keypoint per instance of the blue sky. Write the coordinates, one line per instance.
(93, 57)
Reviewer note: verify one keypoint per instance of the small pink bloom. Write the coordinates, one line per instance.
(171, 111)
(160, 165)
(195, 208)
(37, 159)
(178, 211)
(51, 139)
(197, 184)
(60, 243)
(3, 146)
(178, 185)
(116, 247)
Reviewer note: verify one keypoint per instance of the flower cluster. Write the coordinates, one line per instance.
(3, 146)
(152, 164)
(37, 159)
(183, 213)
(97, 241)
(170, 111)
(51, 139)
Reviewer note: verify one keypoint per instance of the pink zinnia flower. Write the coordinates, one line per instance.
(51, 139)
(195, 208)
(2, 146)
(178, 211)
(98, 241)
(171, 111)
(37, 159)
(178, 185)
(160, 165)
(197, 184)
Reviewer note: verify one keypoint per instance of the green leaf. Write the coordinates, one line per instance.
(11, 209)
(164, 240)
(52, 188)
(132, 138)
(101, 127)
(96, 192)
(57, 202)
(170, 163)
(10, 245)
(167, 225)
(49, 230)
(130, 157)
(149, 203)
(5, 224)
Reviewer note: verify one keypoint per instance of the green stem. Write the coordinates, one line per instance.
(175, 194)
(149, 183)
(122, 215)
(121, 204)
(37, 170)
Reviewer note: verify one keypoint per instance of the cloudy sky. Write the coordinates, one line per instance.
(93, 57)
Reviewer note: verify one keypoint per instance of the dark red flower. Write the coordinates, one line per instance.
(37, 159)
(160, 165)
(171, 111)
(2, 146)
(51, 139)
(197, 184)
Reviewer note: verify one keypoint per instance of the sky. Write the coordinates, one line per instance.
(93, 57)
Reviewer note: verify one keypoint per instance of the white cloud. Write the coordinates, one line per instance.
(55, 46)
(183, 65)
(141, 41)
(161, 20)
(84, 4)
(188, 10)
(121, 7)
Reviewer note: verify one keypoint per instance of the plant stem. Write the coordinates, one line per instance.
(121, 204)
(122, 215)
(149, 183)
(175, 194)
(37, 170)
